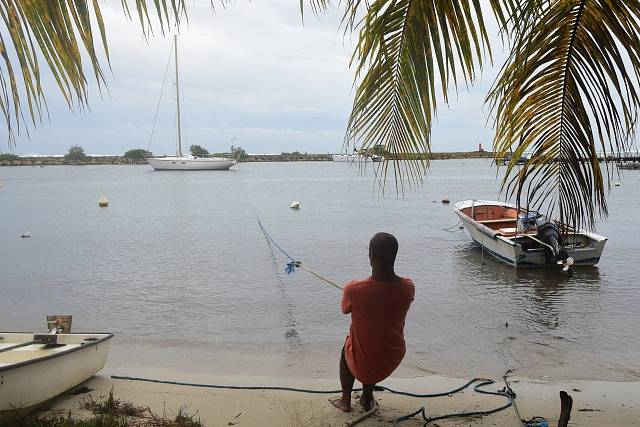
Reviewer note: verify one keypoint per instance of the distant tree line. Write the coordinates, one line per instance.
(237, 153)
(137, 154)
(75, 154)
(8, 157)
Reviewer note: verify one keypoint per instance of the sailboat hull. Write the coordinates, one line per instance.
(186, 163)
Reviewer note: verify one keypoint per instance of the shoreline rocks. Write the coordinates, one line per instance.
(284, 157)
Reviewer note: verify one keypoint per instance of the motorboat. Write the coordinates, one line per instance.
(527, 238)
(351, 158)
(630, 165)
(355, 158)
(35, 368)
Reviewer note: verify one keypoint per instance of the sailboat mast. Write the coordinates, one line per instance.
(175, 45)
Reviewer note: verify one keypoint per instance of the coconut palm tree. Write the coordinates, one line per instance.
(60, 33)
(567, 91)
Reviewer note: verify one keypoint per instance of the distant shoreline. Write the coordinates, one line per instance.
(284, 157)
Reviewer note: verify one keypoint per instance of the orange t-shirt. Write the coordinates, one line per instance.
(375, 345)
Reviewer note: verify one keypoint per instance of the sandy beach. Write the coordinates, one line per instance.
(596, 403)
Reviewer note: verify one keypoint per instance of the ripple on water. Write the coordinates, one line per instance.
(179, 270)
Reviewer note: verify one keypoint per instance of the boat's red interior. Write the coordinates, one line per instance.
(498, 218)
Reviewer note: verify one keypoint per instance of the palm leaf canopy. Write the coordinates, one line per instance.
(405, 48)
(568, 91)
(59, 32)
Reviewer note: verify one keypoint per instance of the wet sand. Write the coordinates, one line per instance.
(596, 403)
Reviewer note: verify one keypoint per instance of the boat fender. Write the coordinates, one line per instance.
(103, 202)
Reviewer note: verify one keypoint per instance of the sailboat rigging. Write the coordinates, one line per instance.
(180, 161)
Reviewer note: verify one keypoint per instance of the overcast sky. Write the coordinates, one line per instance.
(251, 75)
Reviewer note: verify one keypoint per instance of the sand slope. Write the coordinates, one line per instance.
(595, 404)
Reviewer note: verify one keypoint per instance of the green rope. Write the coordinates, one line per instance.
(422, 411)
(481, 382)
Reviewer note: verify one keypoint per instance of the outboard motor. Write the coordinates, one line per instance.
(527, 221)
(549, 233)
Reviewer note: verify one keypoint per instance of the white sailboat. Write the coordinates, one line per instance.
(180, 161)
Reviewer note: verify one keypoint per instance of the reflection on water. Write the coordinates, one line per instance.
(291, 334)
(550, 316)
(538, 292)
(178, 268)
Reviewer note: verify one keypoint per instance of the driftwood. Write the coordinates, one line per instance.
(566, 402)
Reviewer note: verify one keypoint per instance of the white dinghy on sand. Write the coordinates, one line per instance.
(35, 368)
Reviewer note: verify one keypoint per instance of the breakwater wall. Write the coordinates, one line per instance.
(57, 160)
(284, 157)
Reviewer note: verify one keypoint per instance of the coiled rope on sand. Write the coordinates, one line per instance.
(480, 382)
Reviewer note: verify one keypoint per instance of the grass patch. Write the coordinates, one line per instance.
(109, 411)
(112, 406)
(72, 421)
(181, 419)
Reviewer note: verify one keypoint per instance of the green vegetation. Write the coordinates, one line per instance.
(138, 154)
(8, 157)
(378, 150)
(75, 154)
(110, 412)
(112, 406)
(238, 153)
(199, 151)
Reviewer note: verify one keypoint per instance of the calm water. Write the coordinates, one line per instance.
(178, 268)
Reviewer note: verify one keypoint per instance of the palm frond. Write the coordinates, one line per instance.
(62, 33)
(405, 47)
(317, 7)
(568, 90)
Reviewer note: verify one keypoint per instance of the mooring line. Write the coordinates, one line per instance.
(291, 266)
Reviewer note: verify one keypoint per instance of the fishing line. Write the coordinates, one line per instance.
(293, 263)
(291, 335)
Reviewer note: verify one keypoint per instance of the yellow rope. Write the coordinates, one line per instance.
(331, 282)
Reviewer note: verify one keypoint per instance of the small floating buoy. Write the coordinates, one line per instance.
(295, 204)
(103, 202)
(26, 235)
(445, 200)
